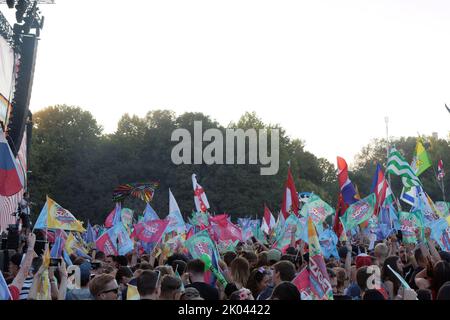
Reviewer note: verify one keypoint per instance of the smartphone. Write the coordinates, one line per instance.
(55, 262)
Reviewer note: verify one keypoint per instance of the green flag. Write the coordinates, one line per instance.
(359, 212)
(421, 161)
(409, 223)
(317, 209)
(397, 165)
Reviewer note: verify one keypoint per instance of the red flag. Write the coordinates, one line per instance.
(441, 173)
(105, 244)
(150, 231)
(340, 210)
(223, 229)
(290, 197)
(302, 282)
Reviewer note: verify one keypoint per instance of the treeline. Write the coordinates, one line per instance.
(77, 165)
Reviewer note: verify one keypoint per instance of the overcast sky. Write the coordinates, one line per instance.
(328, 71)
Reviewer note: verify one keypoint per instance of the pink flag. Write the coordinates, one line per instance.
(302, 282)
(150, 231)
(105, 244)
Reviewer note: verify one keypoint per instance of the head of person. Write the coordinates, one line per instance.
(372, 294)
(424, 294)
(228, 257)
(251, 257)
(191, 294)
(285, 291)
(362, 278)
(441, 274)
(179, 266)
(273, 255)
(123, 276)
(100, 255)
(381, 252)
(85, 274)
(242, 294)
(170, 288)
(258, 281)
(263, 260)
(165, 270)
(387, 275)
(121, 261)
(420, 259)
(341, 278)
(283, 271)
(176, 256)
(148, 285)
(14, 263)
(333, 280)
(104, 287)
(196, 270)
(240, 271)
(444, 292)
(403, 254)
(111, 260)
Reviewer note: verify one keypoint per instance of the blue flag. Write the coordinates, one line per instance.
(150, 214)
(328, 240)
(90, 234)
(4, 290)
(440, 232)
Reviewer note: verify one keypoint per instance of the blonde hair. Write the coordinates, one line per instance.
(240, 271)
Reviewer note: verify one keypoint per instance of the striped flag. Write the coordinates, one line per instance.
(201, 202)
(268, 221)
(441, 173)
(400, 167)
(8, 205)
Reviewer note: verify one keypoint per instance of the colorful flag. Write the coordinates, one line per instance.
(200, 200)
(410, 222)
(150, 231)
(11, 178)
(379, 187)
(421, 161)
(345, 185)
(301, 281)
(115, 241)
(268, 222)
(53, 216)
(132, 293)
(320, 285)
(149, 213)
(126, 216)
(290, 197)
(440, 232)
(441, 172)
(225, 230)
(328, 241)
(359, 212)
(176, 222)
(317, 209)
(443, 207)
(114, 216)
(398, 166)
(58, 247)
(4, 290)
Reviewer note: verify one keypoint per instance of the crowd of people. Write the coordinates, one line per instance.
(253, 271)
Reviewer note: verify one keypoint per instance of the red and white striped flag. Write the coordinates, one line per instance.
(290, 197)
(201, 202)
(8, 205)
(441, 173)
(268, 222)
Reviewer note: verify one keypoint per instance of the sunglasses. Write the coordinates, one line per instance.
(115, 290)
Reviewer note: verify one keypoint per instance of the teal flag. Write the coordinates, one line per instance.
(359, 212)
(317, 209)
(409, 223)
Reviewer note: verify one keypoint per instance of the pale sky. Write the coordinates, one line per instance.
(328, 71)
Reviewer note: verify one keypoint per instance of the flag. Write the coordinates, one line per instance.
(11, 178)
(379, 187)
(150, 231)
(440, 232)
(132, 293)
(225, 230)
(345, 185)
(115, 241)
(268, 222)
(53, 216)
(126, 217)
(359, 212)
(90, 234)
(4, 290)
(398, 166)
(410, 222)
(421, 161)
(443, 207)
(58, 247)
(301, 281)
(70, 244)
(328, 241)
(440, 169)
(340, 211)
(290, 197)
(317, 209)
(318, 276)
(114, 216)
(200, 200)
(149, 213)
(176, 222)
(43, 287)
(280, 224)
